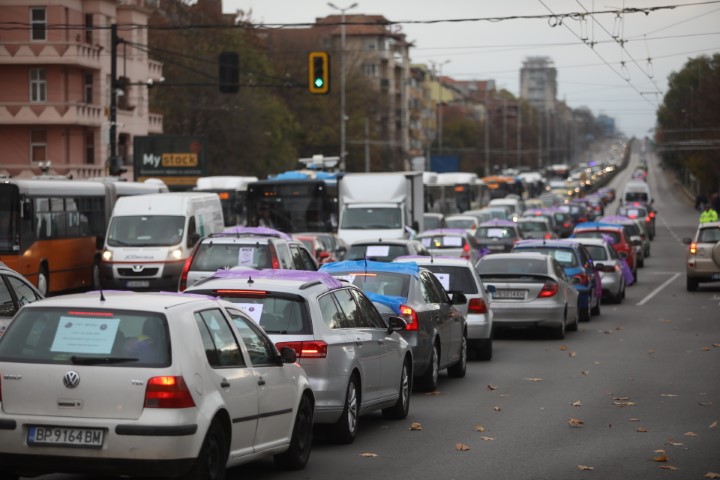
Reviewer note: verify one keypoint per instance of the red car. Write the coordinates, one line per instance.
(620, 241)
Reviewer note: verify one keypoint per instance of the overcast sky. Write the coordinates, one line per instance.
(495, 50)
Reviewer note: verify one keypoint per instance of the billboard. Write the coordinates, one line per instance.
(177, 160)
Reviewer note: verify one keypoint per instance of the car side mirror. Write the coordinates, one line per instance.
(687, 240)
(193, 239)
(396, 324)
(458, 298)
(491, 289)
(576, 281)
(288, 355)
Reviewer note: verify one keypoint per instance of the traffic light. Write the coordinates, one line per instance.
(229, 72)
(319, 73)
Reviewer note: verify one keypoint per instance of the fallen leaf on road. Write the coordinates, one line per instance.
(491, 387)
(621, 398)
(633, 420)
(660, 458)
(713, 424)
(668, 395)
(434, 392)
(651, 351)
(712, 475)
(533, 379)
(575, 422)
(461, 447)
(488, 439)
(705, 404)
(497, 409)
(690, 434)
(368, 454)
(716, 345)
(585, 467)
(415, 426)
(608, 332)
(576, 404)
(625, 404)
(641, 430)
(572, 354)
(667, 467)
(675, 444)
(585, 372)
(479, 428)
(661, 451)
(563, 347)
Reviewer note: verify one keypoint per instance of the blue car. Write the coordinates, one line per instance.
(578, 266)
(436, 330)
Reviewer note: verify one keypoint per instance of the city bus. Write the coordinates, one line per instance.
(232, 191)
(292, 202)
(499, 186)
(52, 231)
(454, 192)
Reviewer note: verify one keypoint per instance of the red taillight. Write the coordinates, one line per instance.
(466, 251)
(652, 214)
(184, 274)
(693, 248)
(309, 349)
(477, 306)
(411, 318)
(168, 392)
(648, 219)
(584, 279)
(274, 257)
(550, 289)
(548, 236)
(566, 225)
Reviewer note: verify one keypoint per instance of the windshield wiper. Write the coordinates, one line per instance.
(76, 360)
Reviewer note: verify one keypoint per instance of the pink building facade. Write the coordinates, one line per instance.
(55, 85)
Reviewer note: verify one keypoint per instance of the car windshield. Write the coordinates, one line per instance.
(371, 218)
(460, 223)
(520, 265)
(597, 252)
(636, 197)
(212, 256)
(454, 278)
(380, 253)
(443, 241)
(145, 231)
(98, 337)
(532, 226)
(432, 222)
(276, 314)
(495, 232)
(564, 256)
(382, 283)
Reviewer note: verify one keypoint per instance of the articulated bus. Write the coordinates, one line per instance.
(51, 231)
(232, 191)
(293, 205)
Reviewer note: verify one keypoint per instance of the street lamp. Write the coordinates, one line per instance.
(343, 118)
(438, 67)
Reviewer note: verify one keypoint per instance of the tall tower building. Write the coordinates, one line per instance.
(538, 83)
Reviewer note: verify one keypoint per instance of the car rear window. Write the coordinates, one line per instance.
(490, 265)
(564, 256)
(380, 253)
(382, 283)
(597, 252)
(460, 222)
(275, 314)
(212, 256)
(84, 337)
(454, 278)
(709, 235)
(495, 232)
(443, 241)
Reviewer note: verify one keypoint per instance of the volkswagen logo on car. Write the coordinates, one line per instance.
(71, 379)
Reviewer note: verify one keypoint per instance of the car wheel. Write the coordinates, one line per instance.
(641, 263)
(296, 457)
(429, 379)
(584, 313)
(43, 282)
(596, 309)
(458, 370)
(402, 407)
(485, 350)
(558, 333)
(573, 327)
(345, 429)
(9, 475)
(692, 284)
(635, 276)
(213, 456)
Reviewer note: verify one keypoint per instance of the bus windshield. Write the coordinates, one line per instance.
(146, 231)
(291, 206)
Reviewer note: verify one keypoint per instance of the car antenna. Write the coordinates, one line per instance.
(250, 280)
(365, 264)
(102, 297)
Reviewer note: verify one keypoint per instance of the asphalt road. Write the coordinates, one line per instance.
(642, 382)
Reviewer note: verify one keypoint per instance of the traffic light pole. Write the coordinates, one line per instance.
(114, 161)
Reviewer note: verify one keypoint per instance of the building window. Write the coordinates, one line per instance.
(38, 24)
(38, 145)
(90, 147)
(88, 28)
(38, 85)
(371, 44)
(123, 147)
(88, 87)
(370, 69)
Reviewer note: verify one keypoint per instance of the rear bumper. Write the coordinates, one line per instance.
(505, 315)
(479, 327)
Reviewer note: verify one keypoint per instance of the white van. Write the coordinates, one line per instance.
(515, 204)
(636, 191)
(149, 238)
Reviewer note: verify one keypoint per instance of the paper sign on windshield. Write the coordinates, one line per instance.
(377, 251)
(444, 279)
(245, 256)
(253, 310)
(85, 335)
(495, 233)
(452, 241)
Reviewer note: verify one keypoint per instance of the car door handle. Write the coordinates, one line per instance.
(261, 381)
(358, 342)
(381, 342)
(224, 383)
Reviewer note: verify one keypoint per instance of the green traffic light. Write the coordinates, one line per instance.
(319, 82)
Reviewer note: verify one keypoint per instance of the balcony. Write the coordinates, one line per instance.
(155, 123)
(51, 53)
(17, 113)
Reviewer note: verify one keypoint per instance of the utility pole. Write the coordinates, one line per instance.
(114, 160)
(367, 145)
(487, 132)
(504, 125)
(519, 134)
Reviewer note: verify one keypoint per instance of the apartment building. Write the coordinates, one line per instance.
(538, 83)
(55, 70)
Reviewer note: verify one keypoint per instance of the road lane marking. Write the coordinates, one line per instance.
(672, 232)
(657, 290)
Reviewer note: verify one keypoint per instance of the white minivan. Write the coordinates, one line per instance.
(514, 203)
(636, 191)
(149, 238)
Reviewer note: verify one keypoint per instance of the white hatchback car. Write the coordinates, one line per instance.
(151, 384)
(356, 362)
(459, 274)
